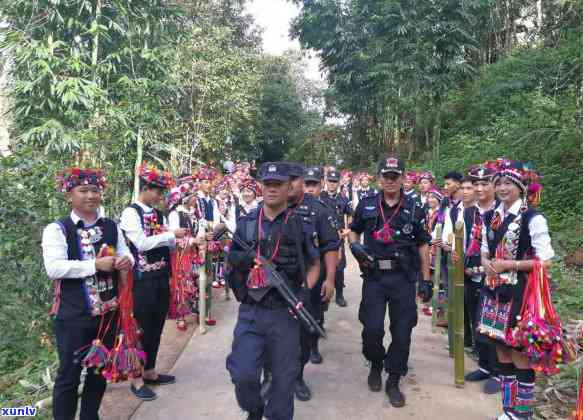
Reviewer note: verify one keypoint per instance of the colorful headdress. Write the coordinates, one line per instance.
(412, 176)
(206, 173)
(74, 177)
(223, 184)
(153, 176)
(426, 175)
(522, 174)
(251, 184)
(178, 194)
(436, 193)
(346, 173)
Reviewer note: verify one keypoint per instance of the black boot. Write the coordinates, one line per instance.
(392, 390)
(302, 390)
(340, 301)
(375, 381)
(315, 356)
(256, 415)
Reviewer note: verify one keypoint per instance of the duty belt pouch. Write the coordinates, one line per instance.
(387, 265)
(494, 317)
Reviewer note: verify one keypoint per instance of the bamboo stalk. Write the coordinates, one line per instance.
(202, 283)
(458, 303)
(436, 281)
(139, 156)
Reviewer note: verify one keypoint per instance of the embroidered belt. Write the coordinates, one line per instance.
(152, 267)
(502, 279)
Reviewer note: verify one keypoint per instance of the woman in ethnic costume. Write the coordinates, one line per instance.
(513, 236)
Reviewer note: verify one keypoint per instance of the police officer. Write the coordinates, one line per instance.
(343, 210)
(395, 249)
(319, 219)
(265, 328)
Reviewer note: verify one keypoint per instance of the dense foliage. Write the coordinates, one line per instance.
(107, 83)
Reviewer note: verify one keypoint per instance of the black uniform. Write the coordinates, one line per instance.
(265, 328)
(341, 207)
(392, 280)
(318, 219)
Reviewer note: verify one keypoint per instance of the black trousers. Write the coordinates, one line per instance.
(471, 302)
(308, 341)
(397, 290)
(151, 300)
(339, 276)
(71, 336)
(265, 335)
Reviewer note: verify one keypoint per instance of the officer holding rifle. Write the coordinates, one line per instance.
(395, 250)
(270, 237)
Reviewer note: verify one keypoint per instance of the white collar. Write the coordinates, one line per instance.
(484, 210)
(146, 208)
(75, 218)
(514, 209)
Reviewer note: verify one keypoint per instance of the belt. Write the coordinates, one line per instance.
(387, 264)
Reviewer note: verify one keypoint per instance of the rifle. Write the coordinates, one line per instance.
(275, 280)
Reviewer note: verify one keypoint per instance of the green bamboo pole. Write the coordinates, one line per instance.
(436, 281)
(458, 303)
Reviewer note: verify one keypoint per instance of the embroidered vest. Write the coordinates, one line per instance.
(155, 262)
(94, 295)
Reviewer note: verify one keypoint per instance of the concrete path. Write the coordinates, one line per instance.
(204, 390)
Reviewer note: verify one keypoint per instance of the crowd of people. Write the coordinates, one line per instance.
(251, 230)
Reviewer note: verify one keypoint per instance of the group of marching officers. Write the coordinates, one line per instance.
(300, 220)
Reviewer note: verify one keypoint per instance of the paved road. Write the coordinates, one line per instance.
(204, 390)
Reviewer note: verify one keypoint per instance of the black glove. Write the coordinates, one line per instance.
(365, 260)
(425, 290)
(241, 260)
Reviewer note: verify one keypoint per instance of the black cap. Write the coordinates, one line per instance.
(274, 171)
(313, 174)
(333, 175)
(391, 164)
(295, 169)
(481, 173)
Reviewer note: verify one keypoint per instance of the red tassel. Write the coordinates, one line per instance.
(96, 356)
(539, 330)
(257, 278)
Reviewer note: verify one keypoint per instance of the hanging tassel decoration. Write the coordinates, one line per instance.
(539, 330)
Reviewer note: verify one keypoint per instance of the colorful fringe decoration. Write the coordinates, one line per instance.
(126, 359)
(96, 354)
(539, 330)
(183, 288)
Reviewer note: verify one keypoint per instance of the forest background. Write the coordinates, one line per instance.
(444, 83)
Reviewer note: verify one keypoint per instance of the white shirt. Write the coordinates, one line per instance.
(56, 259)
(448, 235)
(539, 232)
(132, 226)
(174, 221)
(230, 221)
